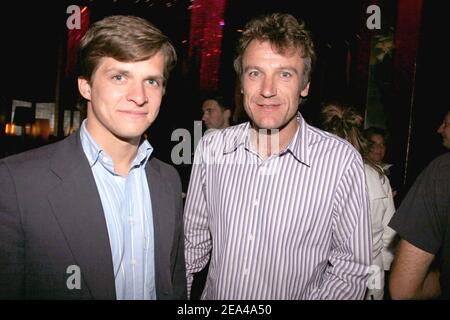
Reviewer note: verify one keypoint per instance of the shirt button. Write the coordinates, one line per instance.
(131, 220)
(133, 262)
(255, 202)
(245, 272)
(251, 237)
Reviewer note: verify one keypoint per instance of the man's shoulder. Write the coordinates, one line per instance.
(437, 169)
(226, 134)
(224, 139)
(34, 158)
(167, 173)
(35, 169)
(442, 162)
(163, 168)
(326, 141)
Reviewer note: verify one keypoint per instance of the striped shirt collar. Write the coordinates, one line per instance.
(298, 146)
(95, 153)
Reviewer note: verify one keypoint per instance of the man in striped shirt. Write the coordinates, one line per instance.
(279, 205)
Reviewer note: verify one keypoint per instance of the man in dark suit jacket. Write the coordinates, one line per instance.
(63, 232)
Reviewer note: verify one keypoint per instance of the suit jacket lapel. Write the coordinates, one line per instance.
(77, 206)
(163, 221)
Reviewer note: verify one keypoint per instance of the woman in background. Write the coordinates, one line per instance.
(377, 139)
(346, 123)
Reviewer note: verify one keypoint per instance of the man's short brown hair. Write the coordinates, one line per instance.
(126, 39)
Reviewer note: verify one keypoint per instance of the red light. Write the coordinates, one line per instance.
(206, 36)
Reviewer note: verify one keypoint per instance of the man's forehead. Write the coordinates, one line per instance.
(210, 104)
(263, 52)
(377, 136)
(156, 62)
(287, 50)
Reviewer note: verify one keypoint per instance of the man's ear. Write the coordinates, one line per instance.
(304, 92)
(85, 88)
(227, 114)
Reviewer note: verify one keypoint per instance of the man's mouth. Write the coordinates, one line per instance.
(268, 106)
(133, 113)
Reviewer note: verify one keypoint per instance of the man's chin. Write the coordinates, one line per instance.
(264, 123)
(130, 136)
(267, 125)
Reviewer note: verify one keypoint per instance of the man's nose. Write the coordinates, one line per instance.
(137, 94)
(268, 87)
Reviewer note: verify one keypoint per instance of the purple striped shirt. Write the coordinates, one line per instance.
(293, 226)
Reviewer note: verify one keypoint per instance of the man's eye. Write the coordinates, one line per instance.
(253, 73)
(286, 74)
(153, 82)
(118, 77)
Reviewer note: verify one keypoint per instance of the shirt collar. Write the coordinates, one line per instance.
(144, 152)
(95, 153)
(90, 147)
(238, 138)
(298, 146)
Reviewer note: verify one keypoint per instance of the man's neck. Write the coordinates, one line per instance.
(121, 151)
(123, 154)
(272, 141)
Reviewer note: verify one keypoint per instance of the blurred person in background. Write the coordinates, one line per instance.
(216, 111)
(378, 139)
(421, 268)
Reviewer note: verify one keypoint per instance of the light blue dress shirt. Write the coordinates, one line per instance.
(129, 218)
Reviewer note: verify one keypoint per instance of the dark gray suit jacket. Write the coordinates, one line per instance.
(51, 217)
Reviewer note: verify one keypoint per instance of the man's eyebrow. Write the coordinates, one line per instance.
(288, 68)
(128, 72)
(155, 77)
(117, 70)
(251, 67)
(281, 68)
